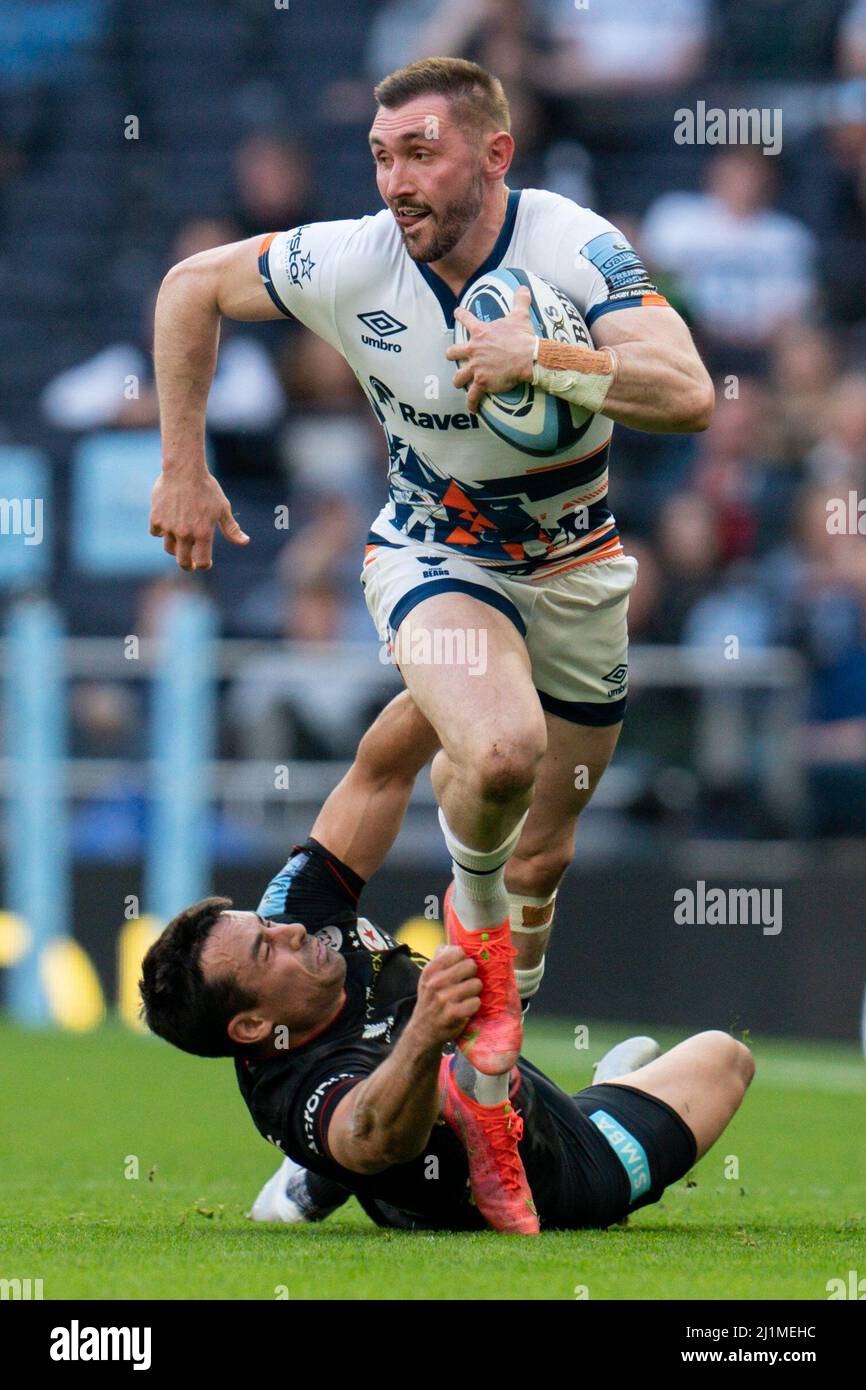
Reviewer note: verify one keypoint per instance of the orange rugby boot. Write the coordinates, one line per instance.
(494, 1035)
(490, 1135)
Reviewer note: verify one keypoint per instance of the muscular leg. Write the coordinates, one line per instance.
(492, 732)
(704, 1079)
(490, 723)
(491, 727)
(361, 817)
(576, 754)
(360, 820)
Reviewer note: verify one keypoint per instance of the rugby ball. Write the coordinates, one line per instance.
(526, 417)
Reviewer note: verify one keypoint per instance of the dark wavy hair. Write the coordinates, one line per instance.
(179, 1004)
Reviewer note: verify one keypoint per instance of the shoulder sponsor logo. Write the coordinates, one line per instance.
(384, 325)
(618, 262)
(299, 264)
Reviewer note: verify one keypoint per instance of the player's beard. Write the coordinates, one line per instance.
(450, 224)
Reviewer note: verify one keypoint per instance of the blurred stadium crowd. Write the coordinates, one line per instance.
(135, 132)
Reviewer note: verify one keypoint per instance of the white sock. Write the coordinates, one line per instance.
(480, 899)
(486, 1090)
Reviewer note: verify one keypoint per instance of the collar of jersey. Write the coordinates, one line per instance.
(448, 300)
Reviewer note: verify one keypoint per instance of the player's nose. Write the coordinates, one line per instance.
(291, 934)
(399, 184)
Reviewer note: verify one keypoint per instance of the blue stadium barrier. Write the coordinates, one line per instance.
(113, 475)
(182, 741)
(25, 510)
(38, 877)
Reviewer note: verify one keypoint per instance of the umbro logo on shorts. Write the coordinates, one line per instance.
(617, 675)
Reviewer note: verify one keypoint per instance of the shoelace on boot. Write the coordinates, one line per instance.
(498, 954)
(504, 1140)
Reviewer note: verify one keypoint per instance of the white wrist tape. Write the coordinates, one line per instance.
(588, 389)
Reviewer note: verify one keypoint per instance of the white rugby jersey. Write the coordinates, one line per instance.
(452, 482)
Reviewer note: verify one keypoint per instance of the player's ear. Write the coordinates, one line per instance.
(248, 1027)
(499, 153)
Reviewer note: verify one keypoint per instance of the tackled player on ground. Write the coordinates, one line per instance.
(342, 1041)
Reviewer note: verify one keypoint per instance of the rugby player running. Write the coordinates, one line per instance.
(476, 535)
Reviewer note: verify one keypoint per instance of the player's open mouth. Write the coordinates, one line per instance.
(321, 951)
(409, 219)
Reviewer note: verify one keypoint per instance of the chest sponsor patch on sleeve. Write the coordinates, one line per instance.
(618, 262)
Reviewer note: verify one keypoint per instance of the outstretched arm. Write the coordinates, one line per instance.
(188, 503)
(387, 1118)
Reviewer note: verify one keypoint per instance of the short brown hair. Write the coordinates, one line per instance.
(475, 94)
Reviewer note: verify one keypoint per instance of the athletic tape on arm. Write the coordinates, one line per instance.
(583, 376)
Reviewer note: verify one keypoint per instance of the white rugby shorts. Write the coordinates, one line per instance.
(574, 622)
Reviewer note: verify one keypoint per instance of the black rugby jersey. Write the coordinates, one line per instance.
(292, 1096)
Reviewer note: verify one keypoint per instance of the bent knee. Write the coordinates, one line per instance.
(505, 773)
(744, 1064)
(729, 1057)
(506, 768)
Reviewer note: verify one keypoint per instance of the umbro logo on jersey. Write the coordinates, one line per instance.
(378, 321)
(617, 675)
(384, 325)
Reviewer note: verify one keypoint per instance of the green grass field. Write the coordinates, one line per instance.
(76, 1108)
